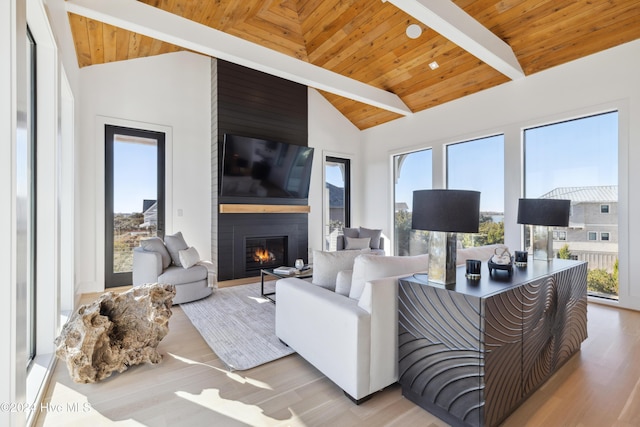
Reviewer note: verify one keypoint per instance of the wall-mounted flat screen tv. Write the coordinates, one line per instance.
(253, 167)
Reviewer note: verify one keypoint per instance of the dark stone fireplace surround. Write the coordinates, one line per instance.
(251, 103)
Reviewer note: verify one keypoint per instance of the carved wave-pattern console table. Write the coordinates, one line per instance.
(472, 352)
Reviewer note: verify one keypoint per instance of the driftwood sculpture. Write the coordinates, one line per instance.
(116, 331)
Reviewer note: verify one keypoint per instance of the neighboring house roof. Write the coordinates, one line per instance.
(602, 193)
(147, 203)
(150, 213)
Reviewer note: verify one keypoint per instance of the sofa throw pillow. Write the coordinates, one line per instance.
(175, 243)
(343, 282)
(370, 267)
(326, 266)
(351, 243)
(189, 257)
(155, 244)
(374, 235)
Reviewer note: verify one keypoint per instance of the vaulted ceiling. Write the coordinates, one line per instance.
(339, 45)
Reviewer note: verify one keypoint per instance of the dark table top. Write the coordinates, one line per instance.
(499, 281)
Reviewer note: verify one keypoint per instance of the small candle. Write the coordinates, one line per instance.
(473, 268)
(521, 258)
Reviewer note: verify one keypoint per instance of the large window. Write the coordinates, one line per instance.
(337, 195)
(578, 160)
(479, 165)
(412, 171)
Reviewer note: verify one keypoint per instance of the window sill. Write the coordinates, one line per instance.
(37, 379)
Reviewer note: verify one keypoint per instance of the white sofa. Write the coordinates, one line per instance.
(349, 331)
(351, 338)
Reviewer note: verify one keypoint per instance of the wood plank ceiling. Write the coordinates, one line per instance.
(365, 40)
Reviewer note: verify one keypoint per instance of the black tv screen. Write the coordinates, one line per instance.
(254, 167)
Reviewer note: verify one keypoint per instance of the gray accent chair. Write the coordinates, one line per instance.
(376, 243)
(153, 264)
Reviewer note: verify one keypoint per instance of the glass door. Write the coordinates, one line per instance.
(337, 172)
(134, 197)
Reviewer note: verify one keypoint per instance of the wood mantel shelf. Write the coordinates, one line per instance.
(240, 208)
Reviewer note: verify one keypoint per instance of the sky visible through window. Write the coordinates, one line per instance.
(415, 174)
(479, 165)
(135, 175)
(564, 154)
(333, 175)
(577, 153)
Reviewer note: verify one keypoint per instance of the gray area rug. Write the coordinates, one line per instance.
(239, 326)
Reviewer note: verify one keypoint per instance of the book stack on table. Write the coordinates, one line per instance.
(285, 270)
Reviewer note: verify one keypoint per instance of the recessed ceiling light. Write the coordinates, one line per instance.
(433, 65)
(414, 31)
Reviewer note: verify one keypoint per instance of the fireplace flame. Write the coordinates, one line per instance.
(262, 255)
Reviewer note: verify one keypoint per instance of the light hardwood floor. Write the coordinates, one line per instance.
(599, 386)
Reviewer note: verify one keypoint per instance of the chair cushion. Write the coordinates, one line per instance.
(351, 243)
(155, 244)
(175, 275)
(371, 267)
(326, 266)
(343, 282)
(175, 243)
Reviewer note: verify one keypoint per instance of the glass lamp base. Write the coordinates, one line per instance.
(541, 236)
(442, 257)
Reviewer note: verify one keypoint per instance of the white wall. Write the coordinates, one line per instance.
(330, 133)
(172, 92)
(601, 82)
(169, 93)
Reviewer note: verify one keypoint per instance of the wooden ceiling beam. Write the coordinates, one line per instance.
(140, 18)
(452, 22)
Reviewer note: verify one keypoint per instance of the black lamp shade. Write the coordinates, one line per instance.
(456, 211)
(549, 212)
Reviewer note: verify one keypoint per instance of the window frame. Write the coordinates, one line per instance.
(115, 279)
(447, 167)
(32, 277)
(396, 162)
(347, 162)
(609, 137)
